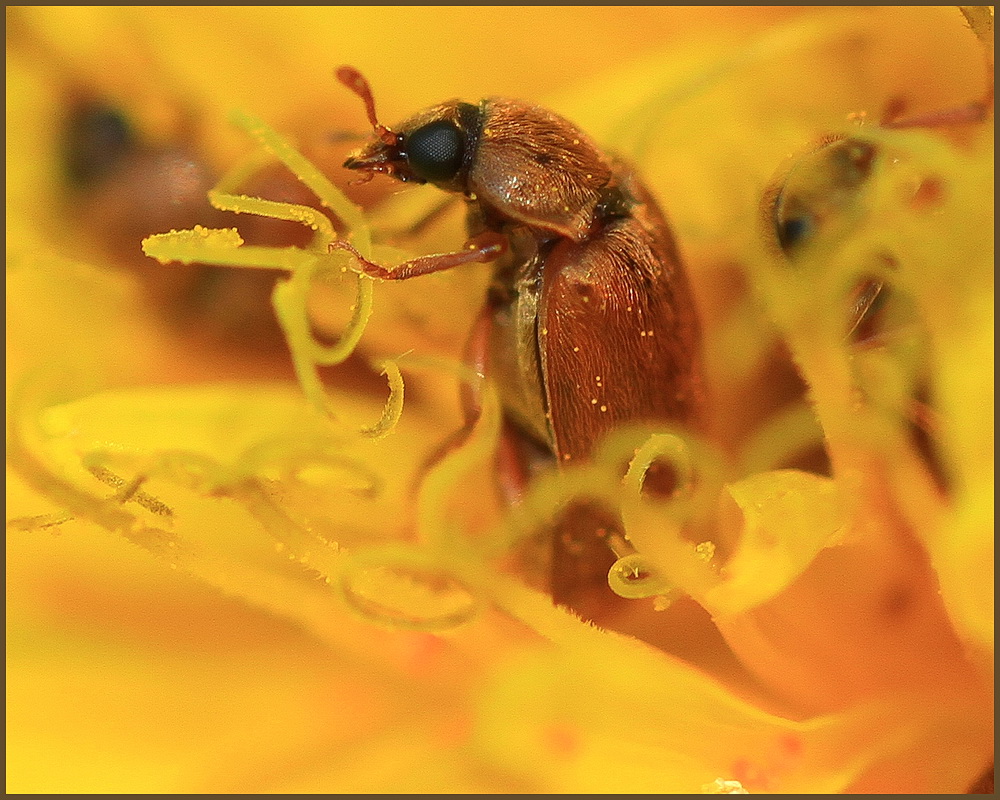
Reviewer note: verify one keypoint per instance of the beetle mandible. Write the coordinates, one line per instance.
(589, 322)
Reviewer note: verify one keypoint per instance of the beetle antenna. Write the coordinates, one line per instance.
(356, 82)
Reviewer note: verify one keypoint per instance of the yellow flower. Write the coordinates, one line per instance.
(246, 592)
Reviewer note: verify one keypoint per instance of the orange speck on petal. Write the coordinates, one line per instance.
(561, 740)
(791, 745)
(421, 653)
(928, 195)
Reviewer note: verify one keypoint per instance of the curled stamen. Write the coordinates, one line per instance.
(634, 578)
(407, 587)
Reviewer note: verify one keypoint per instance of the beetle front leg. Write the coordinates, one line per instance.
(487, 246)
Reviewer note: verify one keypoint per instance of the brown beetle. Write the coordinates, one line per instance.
(821, 197)
(589, 322)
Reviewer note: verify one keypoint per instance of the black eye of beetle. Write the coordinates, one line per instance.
(96, 139)
(434, 151)
(793, 231)
(822, 193)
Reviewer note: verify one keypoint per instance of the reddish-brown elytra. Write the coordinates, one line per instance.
(589, 322)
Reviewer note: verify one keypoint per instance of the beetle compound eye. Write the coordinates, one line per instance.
(821, 193)
(96, 140)
(793, 226)
(434, 151)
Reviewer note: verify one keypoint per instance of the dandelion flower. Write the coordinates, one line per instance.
(240, 556)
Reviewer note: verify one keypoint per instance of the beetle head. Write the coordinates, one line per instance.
(433, 146)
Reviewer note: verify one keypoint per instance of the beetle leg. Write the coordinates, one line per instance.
(894, 114)
(480, 249)
(513, 468)
(866, 300)
(513, 457)
(518, 457)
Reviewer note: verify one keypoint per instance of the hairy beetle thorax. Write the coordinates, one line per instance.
(537, 169)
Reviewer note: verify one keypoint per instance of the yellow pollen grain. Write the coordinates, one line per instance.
(604, 408)
(576, 349)
(705, 550)
(593, 401)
